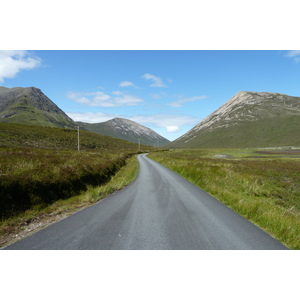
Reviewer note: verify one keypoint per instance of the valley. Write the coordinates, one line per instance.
(246, 154)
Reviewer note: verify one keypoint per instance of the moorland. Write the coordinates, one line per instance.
(262, 185)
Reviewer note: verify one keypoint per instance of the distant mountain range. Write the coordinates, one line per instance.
(248, 119)
(127, 130)
(29, 106)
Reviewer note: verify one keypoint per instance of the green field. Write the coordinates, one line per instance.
(263, 185)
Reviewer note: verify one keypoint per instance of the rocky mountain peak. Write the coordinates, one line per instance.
(249, 106)
(128, 130)
(126, 125)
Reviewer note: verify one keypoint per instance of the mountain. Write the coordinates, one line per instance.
(248, 119)
(127, 130)
(29, 106)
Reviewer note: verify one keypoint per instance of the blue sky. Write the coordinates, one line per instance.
(167, 91)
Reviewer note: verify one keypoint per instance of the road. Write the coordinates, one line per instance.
(159, 210)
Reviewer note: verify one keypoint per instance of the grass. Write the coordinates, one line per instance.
(39, 165)
(29, 221)
(263, 187)
(16, 135)
(38, 177)
(42, 173)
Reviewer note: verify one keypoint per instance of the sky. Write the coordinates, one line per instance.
(169, 91)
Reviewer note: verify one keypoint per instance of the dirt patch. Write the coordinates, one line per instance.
(31, 226)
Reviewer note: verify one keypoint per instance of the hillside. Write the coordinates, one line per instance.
(248, 119)
(127, 130)
(30, 106)
(17, 135)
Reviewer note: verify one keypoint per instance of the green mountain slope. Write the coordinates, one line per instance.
(248, 119)
(17, 135)
(30, 106)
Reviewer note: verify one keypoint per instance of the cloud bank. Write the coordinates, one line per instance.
(127, 83)
(13, 61)
(100, 99)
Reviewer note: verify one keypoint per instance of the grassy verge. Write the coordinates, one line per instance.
(38, 177)
(263, 188)
(25, 223)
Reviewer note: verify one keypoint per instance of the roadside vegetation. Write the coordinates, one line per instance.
(25, 223)
(43, 177)
(35, 178)
(261, 185)
(38, 137)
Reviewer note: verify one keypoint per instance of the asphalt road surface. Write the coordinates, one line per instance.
(159, 210)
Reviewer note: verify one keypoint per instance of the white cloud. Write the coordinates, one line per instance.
(127, 83)
(167, 121)
(157, 82)
(171, 124)
(91, 117)
(172, 129)
(295, 54)
(118, 93)
(180, 102)
(97, 99)
(13, 61)
(127, 100)
(100, 99)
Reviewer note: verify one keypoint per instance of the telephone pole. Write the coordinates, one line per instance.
(78, 140)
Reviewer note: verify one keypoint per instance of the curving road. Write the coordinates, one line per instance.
(159, 210)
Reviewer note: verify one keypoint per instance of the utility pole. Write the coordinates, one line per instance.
(78, 140)
(139, 144)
